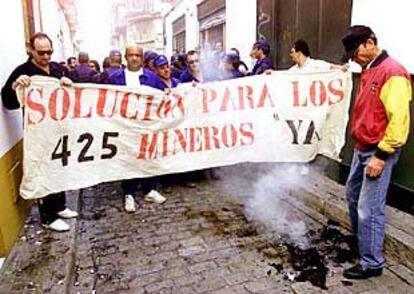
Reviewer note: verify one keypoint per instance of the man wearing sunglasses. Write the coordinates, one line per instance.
(193, 71)
(52, 207)
(379, 126)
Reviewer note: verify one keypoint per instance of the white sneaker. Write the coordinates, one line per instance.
(129, 203)
(155, 196)
(67, 213)
(58, 225)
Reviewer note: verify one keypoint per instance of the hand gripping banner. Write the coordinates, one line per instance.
(79, 136)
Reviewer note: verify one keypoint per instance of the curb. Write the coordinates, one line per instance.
(327, 197)
(41, 261)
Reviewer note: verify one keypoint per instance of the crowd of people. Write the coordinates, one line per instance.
(198, 66)
(379, 125)
(209, 64)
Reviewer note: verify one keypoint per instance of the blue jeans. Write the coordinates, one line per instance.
(366, 202)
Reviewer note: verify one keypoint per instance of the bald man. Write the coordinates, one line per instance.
(135, 75)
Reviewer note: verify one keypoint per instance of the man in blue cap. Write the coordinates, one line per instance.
(230, 67)
(260, 52)
(115, 63)
(149, 57)
(163, 71)
(135, 75)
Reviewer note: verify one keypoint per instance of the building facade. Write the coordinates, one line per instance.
(201, 24)
(139, 22)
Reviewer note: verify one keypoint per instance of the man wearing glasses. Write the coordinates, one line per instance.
(193, 71)
(52, 207)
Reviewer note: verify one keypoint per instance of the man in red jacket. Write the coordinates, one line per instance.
(379, 126)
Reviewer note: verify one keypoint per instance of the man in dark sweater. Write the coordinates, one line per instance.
(52, 207)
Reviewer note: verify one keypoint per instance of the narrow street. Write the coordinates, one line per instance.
(208, 239)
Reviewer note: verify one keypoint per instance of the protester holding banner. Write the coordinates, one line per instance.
(300, 55)
(53, 206)
(380, 127)
(135, 75)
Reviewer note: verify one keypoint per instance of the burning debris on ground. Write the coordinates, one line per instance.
(327, 246)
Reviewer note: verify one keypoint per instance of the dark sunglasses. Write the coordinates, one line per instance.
(41, 53)
(193, 61)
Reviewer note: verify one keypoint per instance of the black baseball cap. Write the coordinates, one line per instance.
(353, 37)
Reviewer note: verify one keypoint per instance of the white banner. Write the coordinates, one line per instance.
(75, 137)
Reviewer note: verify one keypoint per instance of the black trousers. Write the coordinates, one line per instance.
(50, 205)
(130, 186)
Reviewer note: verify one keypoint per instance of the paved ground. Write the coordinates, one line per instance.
(199, 241)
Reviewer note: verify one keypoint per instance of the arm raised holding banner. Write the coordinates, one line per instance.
(52, 207)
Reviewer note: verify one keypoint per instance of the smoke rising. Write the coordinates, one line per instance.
(266, 202)
(269, 207)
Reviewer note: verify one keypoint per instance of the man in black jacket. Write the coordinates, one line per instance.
(52, 207)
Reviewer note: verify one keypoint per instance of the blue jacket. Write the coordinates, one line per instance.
(83, 74)
(176, 72)
(148, 78)
(186, 77)
(231, 74)
(262, 65)
(159, 84)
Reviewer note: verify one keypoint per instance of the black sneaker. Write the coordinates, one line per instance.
(357, 273)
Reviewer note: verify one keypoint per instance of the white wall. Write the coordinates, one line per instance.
(241, 26)
(55, 26)
(392, 22)
(13, 53)
(189, 8)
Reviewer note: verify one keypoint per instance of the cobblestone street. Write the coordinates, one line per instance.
(199, 241)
